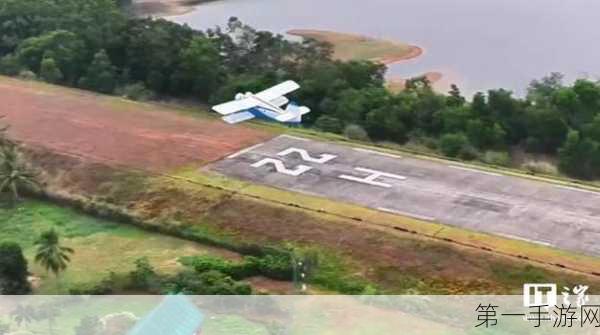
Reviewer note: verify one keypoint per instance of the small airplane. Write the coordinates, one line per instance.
(267, 104)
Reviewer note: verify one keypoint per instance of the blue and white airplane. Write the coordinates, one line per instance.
(267, 104)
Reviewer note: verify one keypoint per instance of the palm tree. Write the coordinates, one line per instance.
(14, 174)
(50, 254)
(24, 314)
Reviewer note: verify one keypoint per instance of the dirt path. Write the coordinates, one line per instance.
(112, 129)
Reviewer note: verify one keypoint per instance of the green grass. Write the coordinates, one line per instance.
(100, 246)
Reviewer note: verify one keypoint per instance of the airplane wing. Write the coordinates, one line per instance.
(235, 106)
(238, 117)
(278, 91)
(279, 102)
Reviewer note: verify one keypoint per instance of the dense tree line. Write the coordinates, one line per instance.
(92, 44)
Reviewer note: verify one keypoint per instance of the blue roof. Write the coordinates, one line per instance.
(176, 315)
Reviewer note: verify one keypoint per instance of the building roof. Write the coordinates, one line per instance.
(176, 315)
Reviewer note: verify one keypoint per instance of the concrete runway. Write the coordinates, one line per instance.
(543, 213)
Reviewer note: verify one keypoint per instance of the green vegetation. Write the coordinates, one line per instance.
(101, 247)
(14, 172)
(93, 44)
(13, 270)
(51, 254)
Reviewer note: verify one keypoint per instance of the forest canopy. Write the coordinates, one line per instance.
(95, 45)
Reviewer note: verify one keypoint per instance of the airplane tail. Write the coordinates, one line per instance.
(293, 114)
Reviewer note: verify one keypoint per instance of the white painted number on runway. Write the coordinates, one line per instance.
(371, 179)
(299, 169)
(280, 167)
(323, 158)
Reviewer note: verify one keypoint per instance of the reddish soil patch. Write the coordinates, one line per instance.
(113, 130)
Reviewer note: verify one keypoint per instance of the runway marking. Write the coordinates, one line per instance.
(525, 239)
(475, 170)
(578, 189)
(414, 216)
(323, 158)
(294, 137)
(377, 152)
(280, 167)
(371, 179)
(243, 151)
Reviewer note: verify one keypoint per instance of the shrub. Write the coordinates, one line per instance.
(329, 124)
(136, 91)
(468, 153)
(13, 270)
(27, 75)
(539, 167)
(143, 277)
(496, 158)
(355, 132)
(452, 144)
(208, 283)
(50, 72)
(10, 65)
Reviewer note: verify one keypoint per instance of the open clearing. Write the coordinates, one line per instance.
(538, 212)
(112, 129)
(100, 246)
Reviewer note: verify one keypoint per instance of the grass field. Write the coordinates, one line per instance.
(100, 246)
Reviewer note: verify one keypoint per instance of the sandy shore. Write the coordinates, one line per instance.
(354, 47)
(357, 47)
(163, 8)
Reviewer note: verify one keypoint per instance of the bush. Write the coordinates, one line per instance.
(208, 283)
(136, 91)
(468, 153)
(539, 167)
(143, 277)
(355, 132)
(50, 72)
(13, 270)
(27, 75)
(329, 124)
(496, 158)
(452, 144)
(277, 266)
(10, 65)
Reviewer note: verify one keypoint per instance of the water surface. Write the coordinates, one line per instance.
(479, 44)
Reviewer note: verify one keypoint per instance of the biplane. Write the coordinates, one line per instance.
(270, 104)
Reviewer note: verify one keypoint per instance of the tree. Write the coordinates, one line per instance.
(101, 75)
(50, 72)
(24, 314)
(13, 270)
(579, 157)
(65, 48)
(199, 71)
(541, 91)
(50, 254)
(14, 173)
(455, 99)
(546, 128)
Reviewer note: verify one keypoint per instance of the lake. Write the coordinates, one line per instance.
(478, 44)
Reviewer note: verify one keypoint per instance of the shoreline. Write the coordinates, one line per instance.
(164, 8)
(395, 84)
(324, 35)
